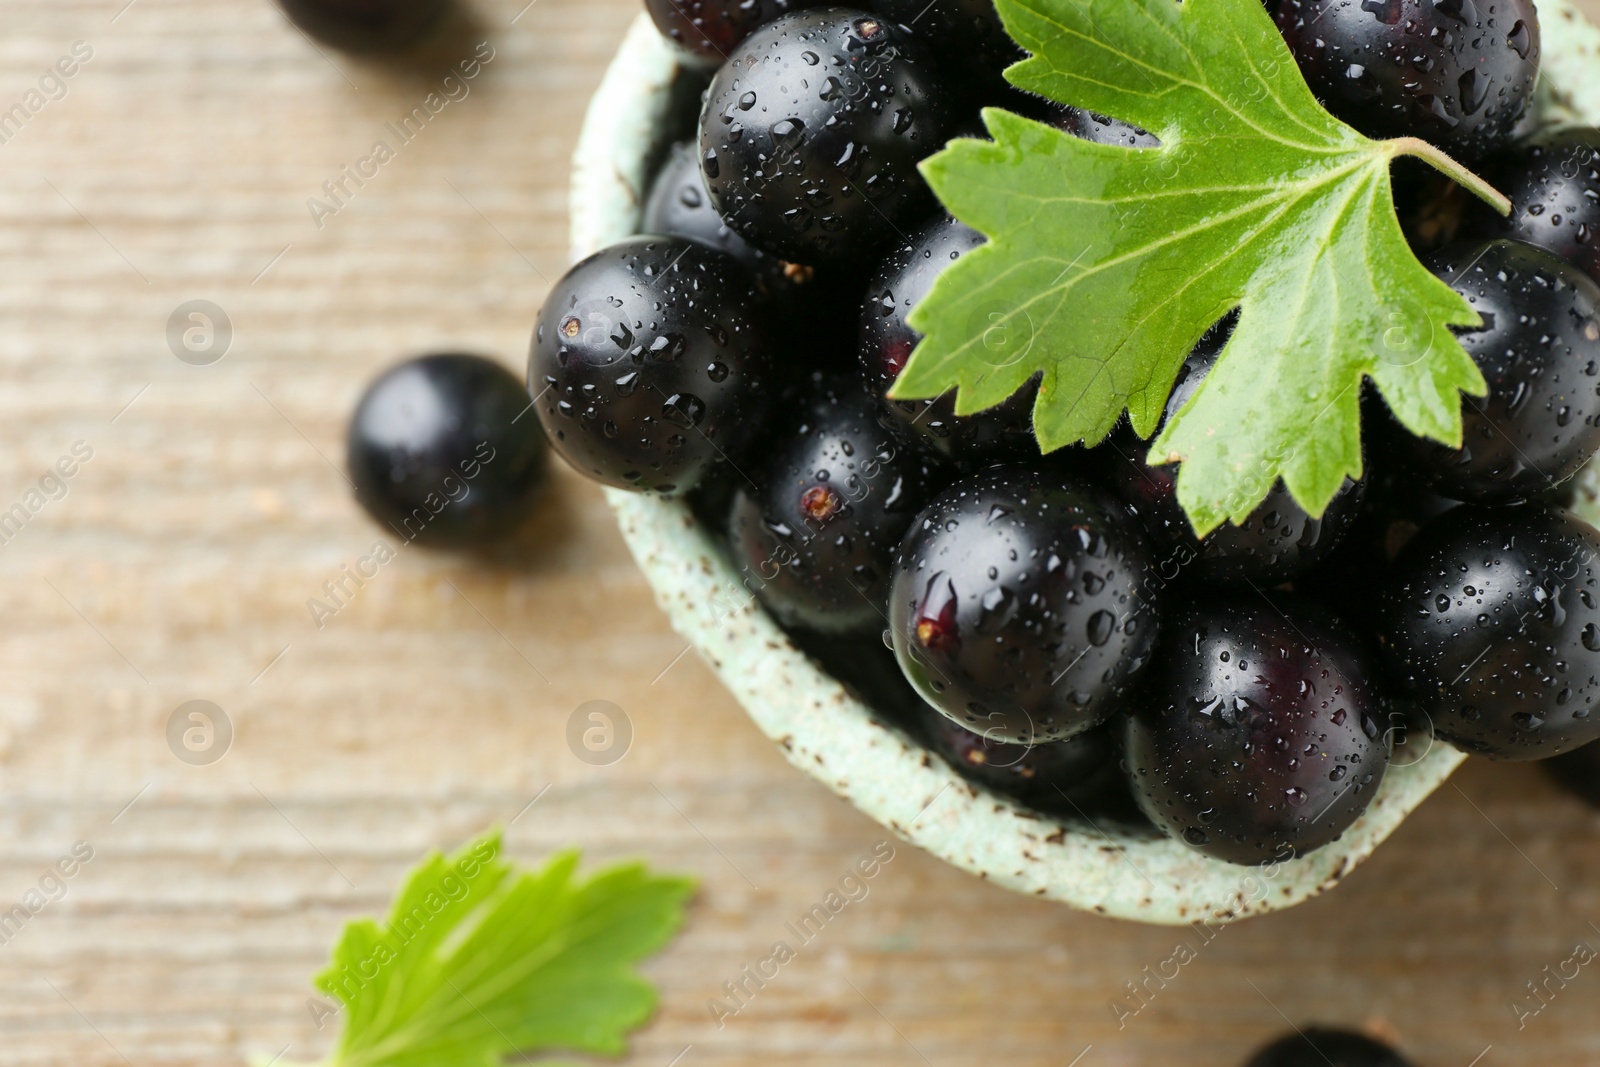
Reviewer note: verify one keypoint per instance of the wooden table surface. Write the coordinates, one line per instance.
(177, 166)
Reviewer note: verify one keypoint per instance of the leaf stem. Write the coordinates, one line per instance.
(1416, 146)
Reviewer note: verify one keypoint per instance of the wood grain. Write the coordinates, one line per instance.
(178, 566)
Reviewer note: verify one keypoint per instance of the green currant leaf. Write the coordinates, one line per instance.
(1105, 264)
(479, 959)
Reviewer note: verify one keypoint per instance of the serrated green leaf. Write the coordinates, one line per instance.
(478, 959)
(1105, 264)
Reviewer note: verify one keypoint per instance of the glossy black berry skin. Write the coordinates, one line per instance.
(1539, 351)
(1102, 130)
(1061, 777)
(365, 25)
(443, 451)
(905, 276)
(1023, 604)
(1578, 772)
(813, 309)
(706, 32)
(1315, 1046)
(1490, 620)
(1553, 181)
(1456, 73)
(652, 361)
(817, 531)
(1275, 542)
(1258, 735)
(812, 132)
(964, 35)
(679, 205)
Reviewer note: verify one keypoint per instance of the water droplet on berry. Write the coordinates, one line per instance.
(1520, 39)
(668, 347)
(788, 133)
(1386, 11)
(1591, 637)
(684, 409)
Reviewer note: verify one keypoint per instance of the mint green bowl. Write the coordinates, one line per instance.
(825, 731)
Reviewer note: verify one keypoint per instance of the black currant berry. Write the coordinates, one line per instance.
(812, 132)
(1553, 181)
(652, 361)
(964, 35)
(443, 451)
(1456, 73)
(817, 531)
(815, 308)
(1578, 772)
(1022, 604)
(903, 278)
(679, 205)
(1539, 351)
(365, 25)
(1258, 734)
(707, 31)
(1490, 620)
(1316, 1046)
(1276, 541)
(1057, 777)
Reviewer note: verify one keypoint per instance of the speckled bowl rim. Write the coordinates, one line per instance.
(823, 730)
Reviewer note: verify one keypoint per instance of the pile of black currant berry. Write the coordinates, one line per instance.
(1058, 633)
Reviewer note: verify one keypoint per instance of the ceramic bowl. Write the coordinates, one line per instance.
(1121, 871)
